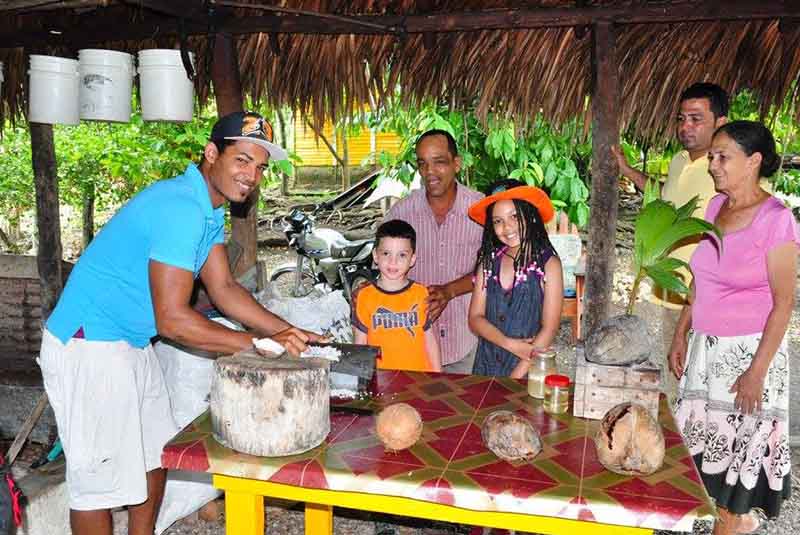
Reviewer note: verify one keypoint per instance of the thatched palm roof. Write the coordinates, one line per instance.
(516, 71)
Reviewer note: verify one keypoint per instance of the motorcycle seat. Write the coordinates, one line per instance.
(348, 249)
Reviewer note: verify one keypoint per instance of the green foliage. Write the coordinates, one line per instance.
(782, 124)
(16, 173)
(659, 227)
(537, 154)
(108, 161)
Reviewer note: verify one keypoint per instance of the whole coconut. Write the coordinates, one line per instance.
(619, 341)
(399, 426)
(510, 437)
(629, 440)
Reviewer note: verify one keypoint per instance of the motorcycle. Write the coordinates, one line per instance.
(324, 256)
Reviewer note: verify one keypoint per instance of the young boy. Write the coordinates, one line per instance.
(391, 313)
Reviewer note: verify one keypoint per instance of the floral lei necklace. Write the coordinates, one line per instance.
(521, 275)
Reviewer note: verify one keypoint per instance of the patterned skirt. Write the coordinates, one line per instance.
(744, 460)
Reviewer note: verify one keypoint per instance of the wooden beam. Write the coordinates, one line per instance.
(182, 9)
(228, 92)
(504, 19)
(605, 173)
(48, 223)
(43, 5)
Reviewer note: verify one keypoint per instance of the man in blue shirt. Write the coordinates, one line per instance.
(134, 282)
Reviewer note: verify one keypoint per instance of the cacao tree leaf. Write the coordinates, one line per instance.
(550, 174)
(537, 172)
(547, 153)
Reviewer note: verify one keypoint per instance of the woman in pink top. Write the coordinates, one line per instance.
(730, 346)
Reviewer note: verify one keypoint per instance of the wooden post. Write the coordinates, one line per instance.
(48, 223)
(284, 143)
(346, 159)
(605, 173)
(88, 215)
(228, 92)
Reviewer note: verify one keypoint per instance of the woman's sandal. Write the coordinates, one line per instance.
(751, 522)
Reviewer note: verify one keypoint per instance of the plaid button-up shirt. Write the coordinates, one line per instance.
(444, 253)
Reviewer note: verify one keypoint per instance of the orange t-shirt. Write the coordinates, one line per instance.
(396, 322)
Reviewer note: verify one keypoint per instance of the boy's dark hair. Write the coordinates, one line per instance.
(451, 142)
(754, 137)
(396, 228)
(534, 240)
(717, 97)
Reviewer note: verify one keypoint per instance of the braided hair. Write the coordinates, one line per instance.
(534, 243)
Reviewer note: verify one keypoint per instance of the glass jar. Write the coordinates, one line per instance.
(556, 394)
(543, 363)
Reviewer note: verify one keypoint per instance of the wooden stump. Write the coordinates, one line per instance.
(598, 388)
(270, 406)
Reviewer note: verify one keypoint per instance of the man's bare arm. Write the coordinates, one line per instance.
(236, 302)
(171, 290)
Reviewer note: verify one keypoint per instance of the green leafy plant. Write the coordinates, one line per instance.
(536, 153)
(660, 226)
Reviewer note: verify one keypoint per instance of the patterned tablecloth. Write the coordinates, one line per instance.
(451, 465)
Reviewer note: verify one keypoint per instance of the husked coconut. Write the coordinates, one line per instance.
(510, 436)
(629, 440)
(619, 341)
(398, 426)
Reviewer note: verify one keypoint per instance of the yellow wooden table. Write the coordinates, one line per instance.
(449, 475)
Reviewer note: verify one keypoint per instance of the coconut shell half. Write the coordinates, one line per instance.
(510, 436)
(398, 426)
(629, 440)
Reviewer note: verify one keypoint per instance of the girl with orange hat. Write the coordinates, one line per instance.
(516, 302)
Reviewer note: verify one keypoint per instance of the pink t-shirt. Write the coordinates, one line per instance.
(732, 294)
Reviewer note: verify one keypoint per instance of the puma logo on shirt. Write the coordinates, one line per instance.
(383, 317)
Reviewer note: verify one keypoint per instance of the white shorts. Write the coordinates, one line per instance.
(113, 415)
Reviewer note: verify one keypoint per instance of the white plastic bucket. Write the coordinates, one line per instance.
(106, 81)
(53, 97)
(166, 92)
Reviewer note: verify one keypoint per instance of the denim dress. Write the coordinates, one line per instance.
(516, 312)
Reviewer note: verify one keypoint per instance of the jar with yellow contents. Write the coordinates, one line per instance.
(556, 394)
(543, 363)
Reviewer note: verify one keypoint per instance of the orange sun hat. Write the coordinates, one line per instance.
(513, 189)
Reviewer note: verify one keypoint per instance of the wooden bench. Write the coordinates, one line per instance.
(564, 237)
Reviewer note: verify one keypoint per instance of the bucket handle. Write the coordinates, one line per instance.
(187, 62)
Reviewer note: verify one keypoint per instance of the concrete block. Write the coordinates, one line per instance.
(47, 510)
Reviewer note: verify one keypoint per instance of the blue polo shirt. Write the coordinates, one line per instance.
(108, 291)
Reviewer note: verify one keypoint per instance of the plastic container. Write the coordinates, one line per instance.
(53, 94)
(1, 78)
(542, 365)
(166, 92)
(106, 83)
(556, 394)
